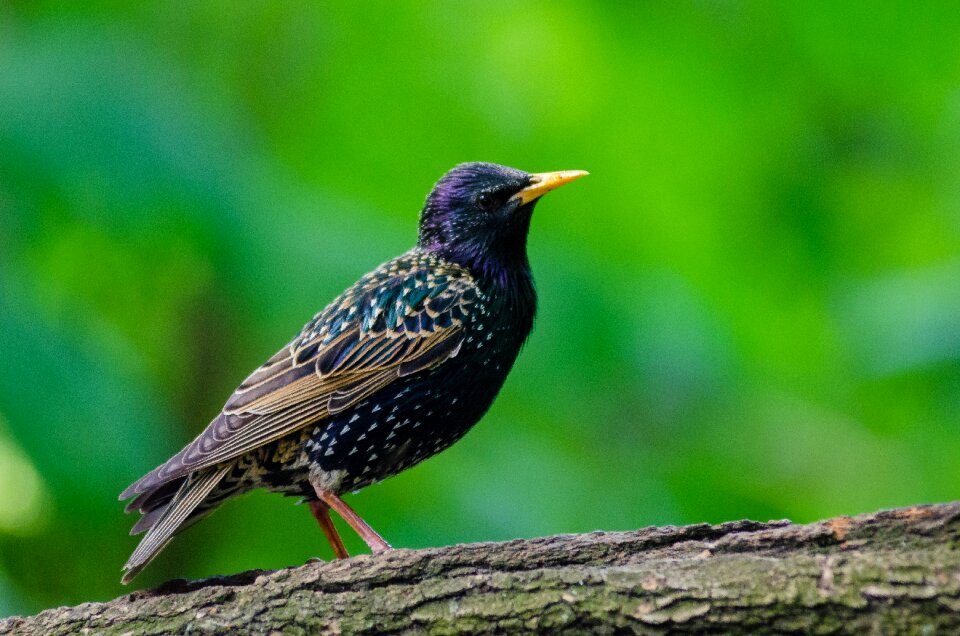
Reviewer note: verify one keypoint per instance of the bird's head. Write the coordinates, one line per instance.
(478, 215)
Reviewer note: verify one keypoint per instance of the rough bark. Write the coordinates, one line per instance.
(891, 572)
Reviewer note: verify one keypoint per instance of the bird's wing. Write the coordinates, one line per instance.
(382, 328)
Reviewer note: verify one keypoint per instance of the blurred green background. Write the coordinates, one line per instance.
(750, 309)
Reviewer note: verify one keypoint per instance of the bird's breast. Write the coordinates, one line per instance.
(417, 416)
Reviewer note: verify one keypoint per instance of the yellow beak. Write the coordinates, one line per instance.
(543, 182)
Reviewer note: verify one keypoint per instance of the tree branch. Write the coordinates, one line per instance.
(891, 572)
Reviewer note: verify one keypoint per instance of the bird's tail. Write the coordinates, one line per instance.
(164, 522)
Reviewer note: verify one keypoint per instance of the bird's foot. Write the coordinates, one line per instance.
(376, 543)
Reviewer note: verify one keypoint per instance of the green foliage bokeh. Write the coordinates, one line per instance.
(750, 308)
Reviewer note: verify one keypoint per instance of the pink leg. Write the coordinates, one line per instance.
(321, 512)
(368, 534)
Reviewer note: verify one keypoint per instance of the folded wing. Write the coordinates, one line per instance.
(388, 325)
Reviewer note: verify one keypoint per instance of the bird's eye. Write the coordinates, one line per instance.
(485, 201)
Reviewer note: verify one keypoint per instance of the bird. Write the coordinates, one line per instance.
(393, 371)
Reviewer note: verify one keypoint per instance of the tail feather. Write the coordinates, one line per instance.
(169, 520)
(156, 497)
(148, 520)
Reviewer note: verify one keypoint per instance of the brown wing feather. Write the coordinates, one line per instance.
(340, 358)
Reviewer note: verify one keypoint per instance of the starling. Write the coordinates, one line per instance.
(393, 371)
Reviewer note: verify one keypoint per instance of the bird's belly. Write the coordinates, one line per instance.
(282, 466)
(403, 424)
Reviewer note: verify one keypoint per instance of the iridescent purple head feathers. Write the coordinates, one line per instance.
(472, 217)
